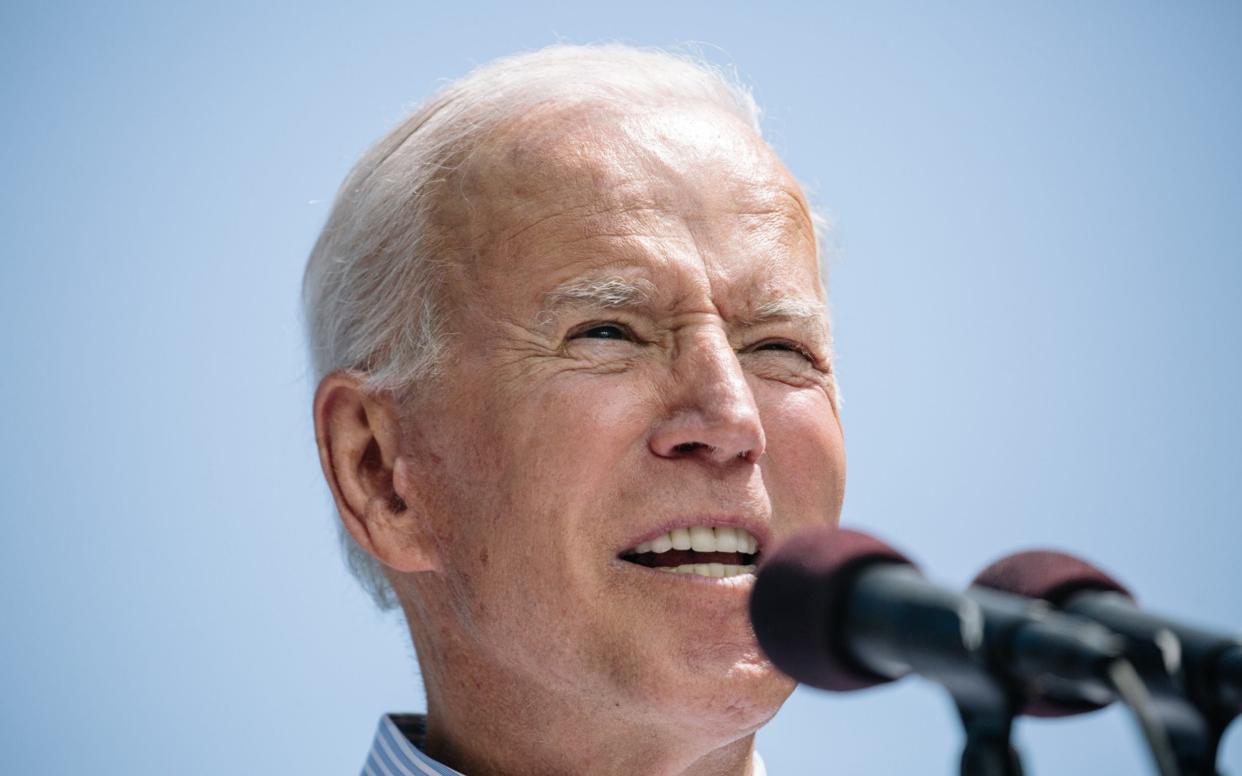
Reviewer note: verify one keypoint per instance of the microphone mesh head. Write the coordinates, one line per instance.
(798, 600)
(1054, 577)
(1047, 574)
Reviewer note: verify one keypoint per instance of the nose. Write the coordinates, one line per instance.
(712, 414)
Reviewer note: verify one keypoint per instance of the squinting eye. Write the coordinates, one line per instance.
(612, 331)
(782, 345)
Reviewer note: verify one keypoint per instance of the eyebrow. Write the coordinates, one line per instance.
(616, 292)
(787, 309)
(598, 293)
(811, 315)
(611, 291)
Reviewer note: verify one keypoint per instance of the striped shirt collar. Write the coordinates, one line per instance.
(394, 751)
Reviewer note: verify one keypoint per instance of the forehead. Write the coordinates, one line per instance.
(688, 195)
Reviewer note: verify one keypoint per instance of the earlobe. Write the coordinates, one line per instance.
(359, 437)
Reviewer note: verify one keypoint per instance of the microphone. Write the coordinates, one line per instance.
(840, 610)
(1194, 675)
(1207, 665)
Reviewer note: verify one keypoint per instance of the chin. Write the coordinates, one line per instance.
(725, 701)
(758, 690)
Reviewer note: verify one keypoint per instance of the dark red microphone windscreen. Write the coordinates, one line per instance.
(1051, 576)
(799, 595)
(1047, 574)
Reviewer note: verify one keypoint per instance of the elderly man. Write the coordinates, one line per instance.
(574, 378)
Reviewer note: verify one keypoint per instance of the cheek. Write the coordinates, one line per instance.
(805, 466)
(525, 554)
(538, 462)
(577, 429)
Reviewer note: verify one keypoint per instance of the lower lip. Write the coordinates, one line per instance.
(736, 582)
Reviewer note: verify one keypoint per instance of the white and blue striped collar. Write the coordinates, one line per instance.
(393, 752)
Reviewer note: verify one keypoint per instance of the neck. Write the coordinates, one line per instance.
(485, 721)
(513, 741)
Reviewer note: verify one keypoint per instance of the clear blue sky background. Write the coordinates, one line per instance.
(1036, 281)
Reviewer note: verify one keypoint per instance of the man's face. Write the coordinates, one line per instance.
(639, 347)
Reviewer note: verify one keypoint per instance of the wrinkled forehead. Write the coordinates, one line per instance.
(604, 164)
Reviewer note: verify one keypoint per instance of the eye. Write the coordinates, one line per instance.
(607, 331)
(784, 346)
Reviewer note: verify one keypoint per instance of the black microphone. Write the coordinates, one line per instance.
(1194, 675)
(840, 610)
(1208, 665)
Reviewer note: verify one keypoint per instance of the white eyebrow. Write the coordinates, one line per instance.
(597, 293)
(614, 291)
(788, 308)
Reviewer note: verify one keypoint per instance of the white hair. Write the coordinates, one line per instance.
(372, 292)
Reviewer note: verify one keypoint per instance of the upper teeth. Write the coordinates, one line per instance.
(701, 538)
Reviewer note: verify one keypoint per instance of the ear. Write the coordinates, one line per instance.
(359, 437)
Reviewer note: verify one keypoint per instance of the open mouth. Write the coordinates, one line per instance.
(701, 550)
